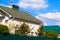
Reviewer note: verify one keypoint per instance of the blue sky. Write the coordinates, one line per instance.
(39, 8)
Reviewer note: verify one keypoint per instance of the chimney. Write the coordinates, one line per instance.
(14, 6)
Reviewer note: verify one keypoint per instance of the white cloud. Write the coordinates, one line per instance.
(58, 23)
(42, 19)
(37, 4)
(50, 15)
(6, 5)
(45, 24)
(9, 6)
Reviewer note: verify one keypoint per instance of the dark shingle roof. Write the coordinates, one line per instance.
(20, 14)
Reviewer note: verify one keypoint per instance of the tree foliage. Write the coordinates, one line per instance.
(4, 29)
(24, 29)
(51, 34)
(40, 31)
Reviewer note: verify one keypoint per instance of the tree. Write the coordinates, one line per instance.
(4, 29)
(51, 34)
(24, 29)
(40, 31)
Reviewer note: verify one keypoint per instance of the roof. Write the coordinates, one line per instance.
(0, 12)
(20, 14)
(55, 28)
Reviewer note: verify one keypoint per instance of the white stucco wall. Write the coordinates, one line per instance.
(12, 23)
(3, 21)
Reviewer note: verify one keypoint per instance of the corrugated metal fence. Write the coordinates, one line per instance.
(19, 37)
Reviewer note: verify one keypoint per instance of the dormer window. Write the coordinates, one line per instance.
(1, 17)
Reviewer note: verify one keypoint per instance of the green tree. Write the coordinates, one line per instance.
(51, 34)
(40, 31)
(4, 29)
(24, 29)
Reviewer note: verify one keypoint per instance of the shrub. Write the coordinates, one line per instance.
(40, 31)
(4, 29)
(24, 29)
(51, 34)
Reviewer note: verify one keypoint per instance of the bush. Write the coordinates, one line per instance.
(51, 34)
(24, 29)
(40, 31)
(4, 29)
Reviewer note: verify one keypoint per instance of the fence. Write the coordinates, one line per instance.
(20, 37)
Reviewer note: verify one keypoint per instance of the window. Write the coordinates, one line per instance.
(1, 18)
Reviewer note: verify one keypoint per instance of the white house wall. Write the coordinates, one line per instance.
(3, 21)
(12, 23)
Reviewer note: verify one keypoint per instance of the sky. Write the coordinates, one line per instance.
(44, 10)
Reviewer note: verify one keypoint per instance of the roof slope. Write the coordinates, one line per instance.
(20, 14)
(0, 12)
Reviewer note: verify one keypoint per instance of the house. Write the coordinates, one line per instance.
(13, 17)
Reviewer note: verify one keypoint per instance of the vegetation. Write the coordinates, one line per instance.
(24, 29)
(11, 26)
(51, 34)
(17, 32)
(4, 29)
(40, 31)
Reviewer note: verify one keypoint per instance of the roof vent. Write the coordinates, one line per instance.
(15, 7)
